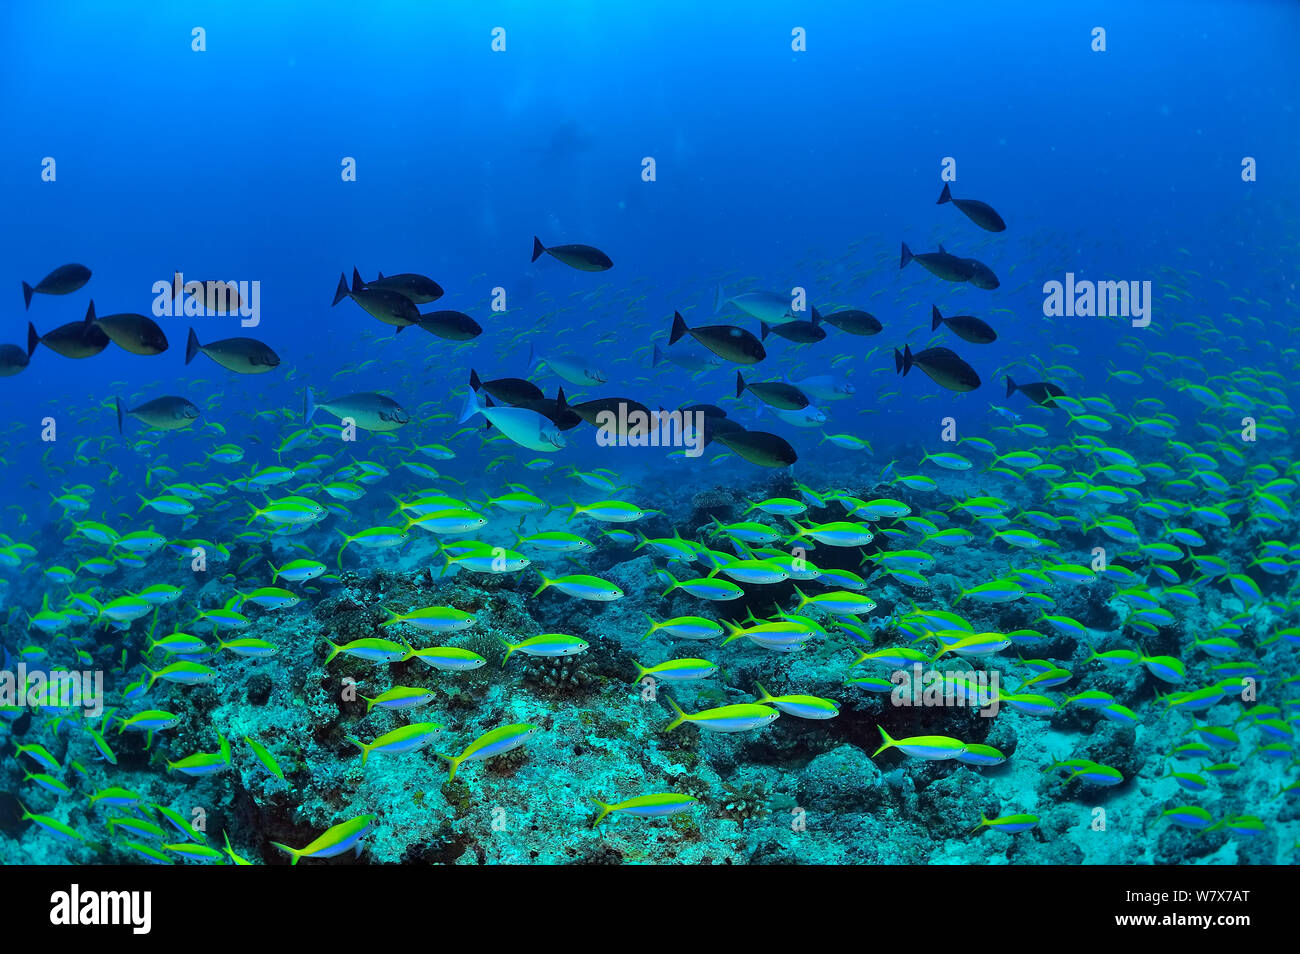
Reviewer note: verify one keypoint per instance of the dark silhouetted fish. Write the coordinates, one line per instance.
(510, 391)
(726, 341)
(216, 297)
(582, 257)
(390, 307)
(76, 339)
(981, 213)
(776, 393)
(715, 427)
(622, 409)
(241, 355)
(556, 410)
(948, 267)
(162, 414)
(419, 289)
(64, 280)
(12, 360)
(138, 334)
(942, 366)
(710, 411)
(800, 332)
(452, 325)
(981, 276)
(758, 447)
(967, 327)
(1040, 392)
(853, 322)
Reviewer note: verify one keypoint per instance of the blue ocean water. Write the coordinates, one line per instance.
(793, 147)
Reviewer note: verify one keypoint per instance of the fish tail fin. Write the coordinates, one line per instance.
(719, 298)
(984, 820)
(293, 853)
(538, 248)
(275, 572)
(454, 760)
(365, 749)
(763, 694)
(545, 584)
(475, 382)
(341, 291)
(33, 339)
(604, 810)
(510, 648)
(740, 384)
(945, 195)
(679, 328)
(680, 716)
(734, 630)
(654, 626)
(192, 346)
(335, 649)
(886, 741)
(936, 319)
(641, 671)
(472, 407)
(117, 403)
(803, 599)
(27, 296)
(672, 585)
(1011, 386)
(308, 406)
(905, 257)
(656, 356)
(90, 313)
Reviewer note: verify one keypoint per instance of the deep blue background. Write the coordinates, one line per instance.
(775, 168)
